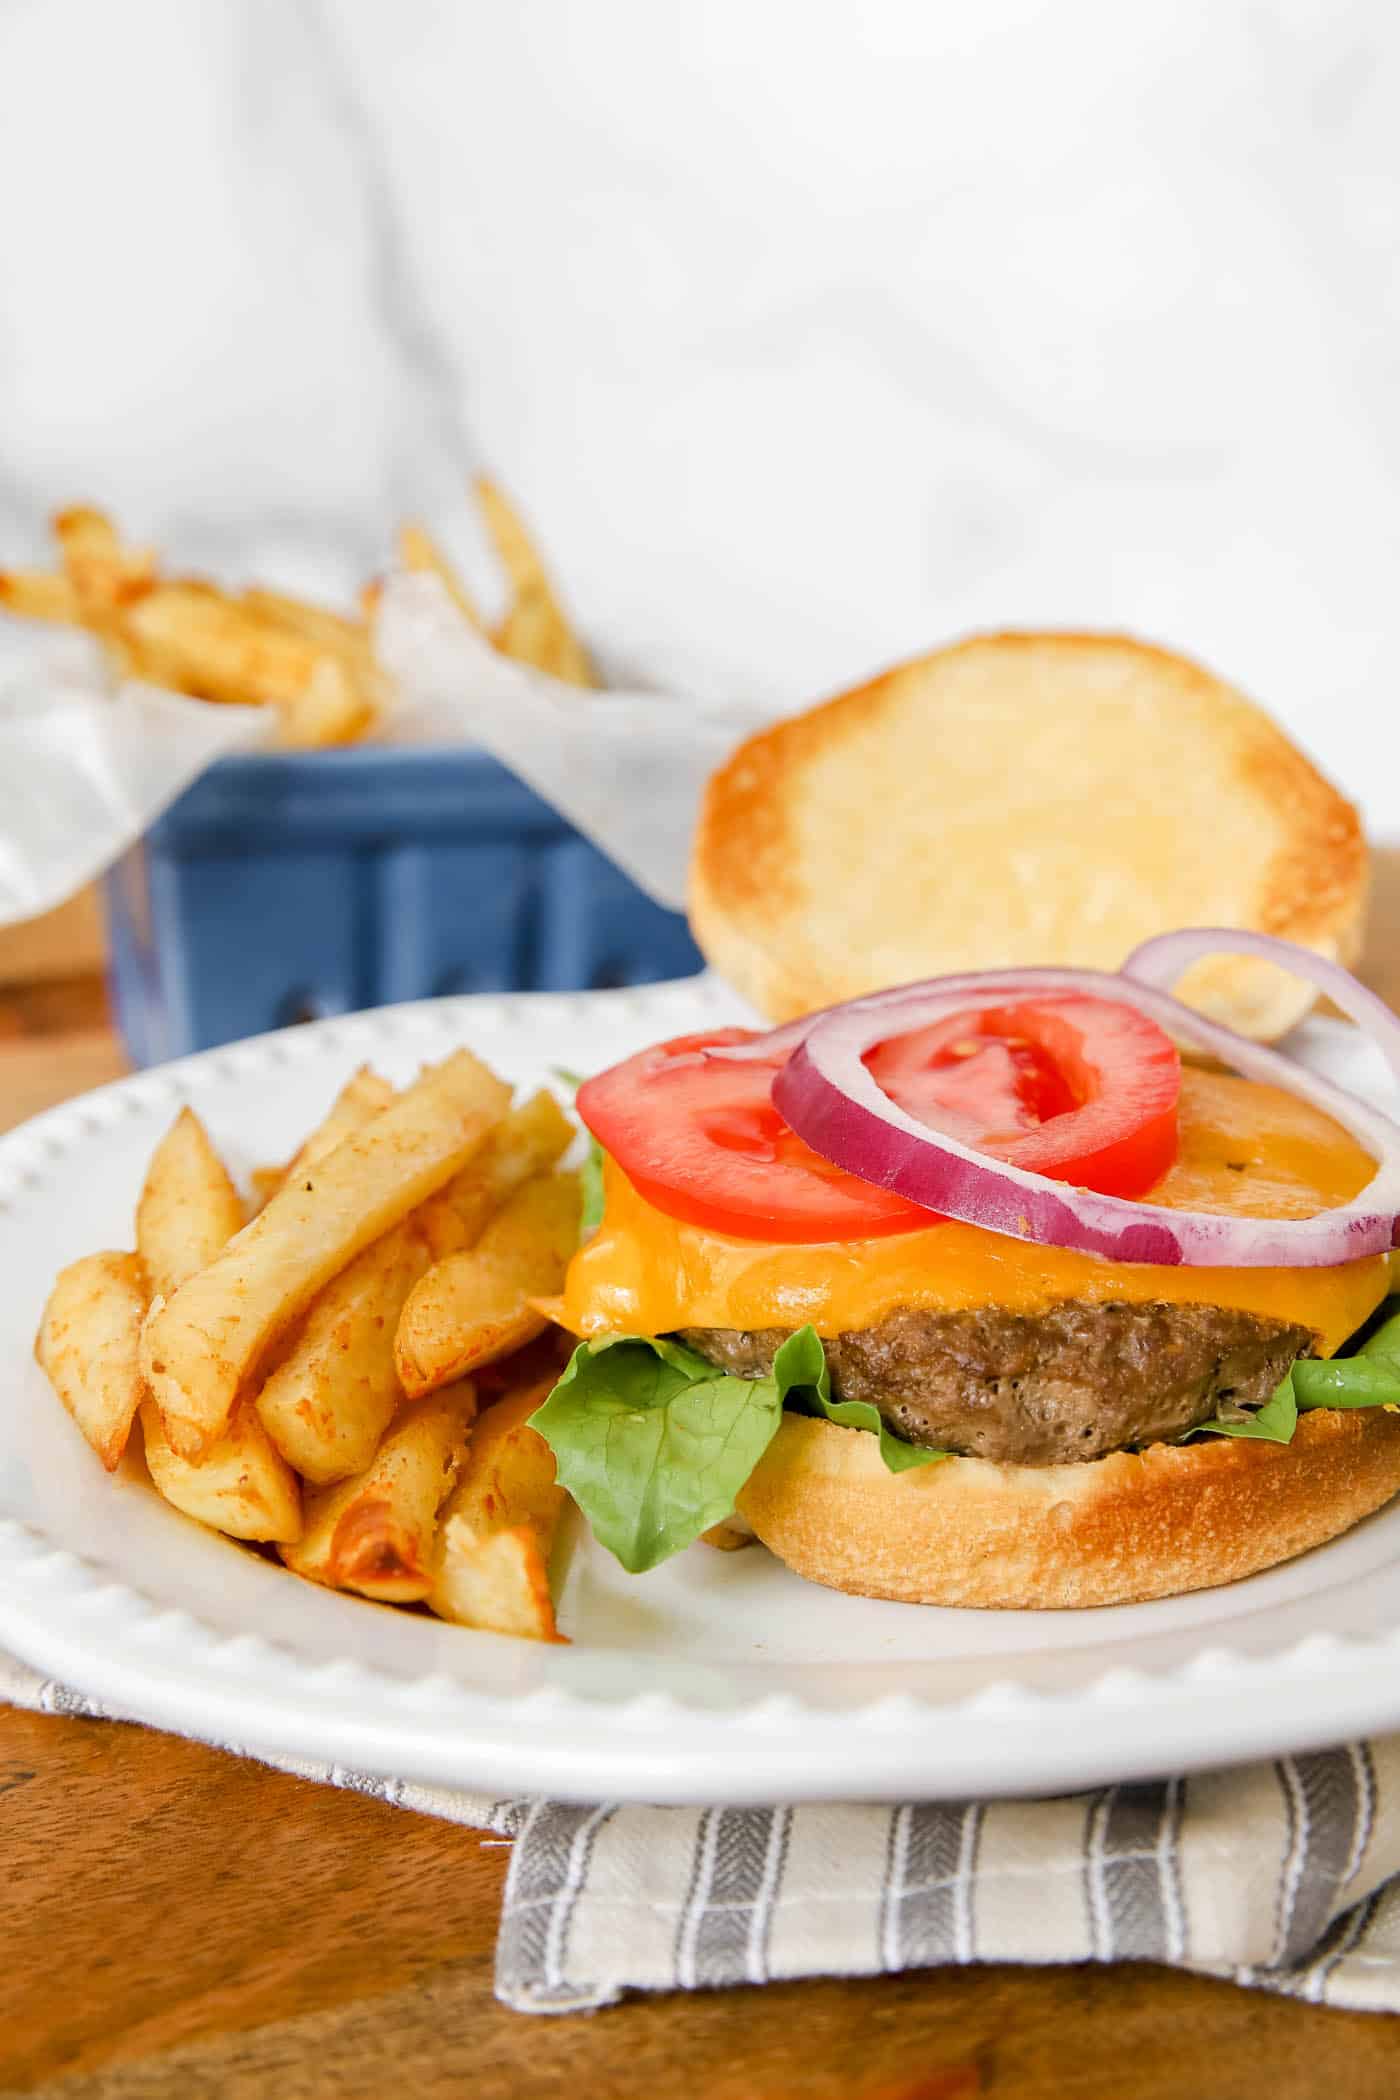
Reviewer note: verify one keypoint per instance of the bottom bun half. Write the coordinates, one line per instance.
(1122, 1529)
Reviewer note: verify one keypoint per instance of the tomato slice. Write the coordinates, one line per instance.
(1081, 1089)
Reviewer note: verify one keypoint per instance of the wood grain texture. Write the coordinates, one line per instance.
(182, 1923)
(59, 943)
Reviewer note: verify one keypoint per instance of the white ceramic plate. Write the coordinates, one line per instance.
(719, 1677)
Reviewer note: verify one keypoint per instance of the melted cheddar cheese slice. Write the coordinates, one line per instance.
(1245, 1151)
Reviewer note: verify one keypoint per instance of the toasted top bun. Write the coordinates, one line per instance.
(1133, 1525)
(1020, 799)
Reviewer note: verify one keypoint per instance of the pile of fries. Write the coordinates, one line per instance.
(316, 667)
(346, 1375)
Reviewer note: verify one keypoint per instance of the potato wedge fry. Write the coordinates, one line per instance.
(491, 1565)
(363, 1095)
(33, 594)
(189, 1209)
(376, 1533)
(266, 1182)
(477, 1305)
(420, 552)
(200, 1349)
(335, 1392)
(89, 1345)
(242, 1486)
(523, 1144)
(535, 630)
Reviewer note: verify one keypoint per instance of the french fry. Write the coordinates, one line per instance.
(478, 1304)
(376, 1533)
(202, 1346)
(189, 1208)
(89, 1345)
(33, 594)
(242, 1486)
(363, 1095)
(441, 1229)
(332, 1396)
(266, 1182)
(523, 1144)
(535, 630)
(105, 573)
(314, 623)
(210, 646)
(491, 1565)
(332, 708)
(420, 552)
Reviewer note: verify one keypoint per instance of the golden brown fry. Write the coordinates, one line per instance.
(479, 1304)
(200, 1349)
(536, 630)
(523, 1144)
(315, 666)
(362, 1097)
(242, 1486)
(491, 1567)
(89, 1345)
(208, 645)
(105, 573)
(376, 1533)
(334, 1393)
(420, 552)
(189, 1208)
(32, 594)
(335, 707)
(314, 623)
(266, 1182)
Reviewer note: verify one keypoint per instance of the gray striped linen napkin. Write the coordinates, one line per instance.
(1284, 1876)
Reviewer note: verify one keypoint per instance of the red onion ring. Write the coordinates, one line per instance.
(833, 1103)
(1161, 962)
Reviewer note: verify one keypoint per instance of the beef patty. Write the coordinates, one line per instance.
(1073, 1382)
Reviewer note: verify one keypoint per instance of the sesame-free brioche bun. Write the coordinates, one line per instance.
(1021, 799)
(1029, 1538)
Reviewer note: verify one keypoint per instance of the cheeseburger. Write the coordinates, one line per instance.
(1018, 1288)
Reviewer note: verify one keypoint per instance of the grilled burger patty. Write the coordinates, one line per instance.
(1073, 1382)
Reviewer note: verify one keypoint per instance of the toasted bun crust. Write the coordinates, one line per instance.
(1032, 1538)
(1019, 799)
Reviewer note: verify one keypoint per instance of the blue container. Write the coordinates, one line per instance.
(281, 887)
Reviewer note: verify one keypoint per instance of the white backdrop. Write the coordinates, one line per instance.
(808, 333)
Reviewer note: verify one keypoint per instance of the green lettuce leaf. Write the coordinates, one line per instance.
(1369, 1378)
(1274, 1423)
(590, 1176)
(654, 1443)
(800, 1367)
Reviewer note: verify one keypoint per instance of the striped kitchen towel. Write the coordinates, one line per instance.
(1285, 1876)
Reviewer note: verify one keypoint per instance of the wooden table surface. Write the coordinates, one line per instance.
(180, 1922)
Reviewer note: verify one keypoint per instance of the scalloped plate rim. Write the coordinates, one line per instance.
(158, 1661)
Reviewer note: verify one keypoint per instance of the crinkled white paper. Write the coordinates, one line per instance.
(626, 769)
(86, 767)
